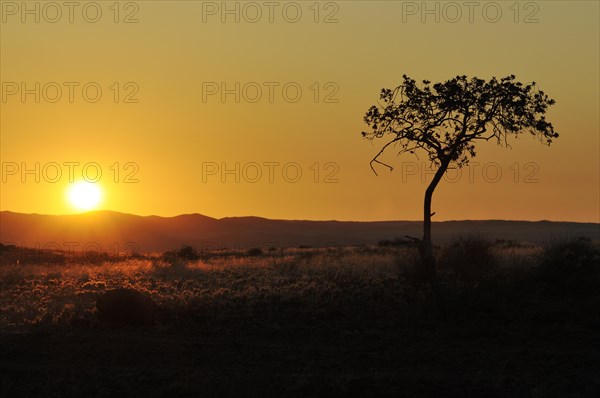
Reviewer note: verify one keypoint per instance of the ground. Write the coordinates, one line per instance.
(311, 322)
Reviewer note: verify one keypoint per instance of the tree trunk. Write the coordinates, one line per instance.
(426, 244)
(426, 250)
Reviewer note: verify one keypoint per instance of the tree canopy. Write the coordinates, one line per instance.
(446, 119)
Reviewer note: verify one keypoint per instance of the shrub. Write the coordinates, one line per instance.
(255, 251)
(469, 258)
(571, 266)
(185, 253)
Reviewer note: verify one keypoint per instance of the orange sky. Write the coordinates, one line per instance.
(162, 123)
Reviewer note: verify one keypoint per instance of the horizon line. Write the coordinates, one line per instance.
(288, 219)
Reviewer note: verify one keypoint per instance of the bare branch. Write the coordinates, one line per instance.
(376, 160)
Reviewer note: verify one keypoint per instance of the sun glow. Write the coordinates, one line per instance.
(84, 195)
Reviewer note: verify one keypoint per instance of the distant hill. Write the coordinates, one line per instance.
(112, 231)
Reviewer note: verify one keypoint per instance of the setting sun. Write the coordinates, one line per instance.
(84, 195)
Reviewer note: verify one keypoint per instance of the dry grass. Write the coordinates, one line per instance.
(59, 294)
(317, 280)
(311, 322)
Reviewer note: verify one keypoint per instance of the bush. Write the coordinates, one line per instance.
(571, 266)
(188, 253)
(255, 251)
(185, 253)
(469, 258)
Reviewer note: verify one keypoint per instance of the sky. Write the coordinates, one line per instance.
(256, 108)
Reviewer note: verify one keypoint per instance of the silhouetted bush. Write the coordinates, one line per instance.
(571, 266)
(469, 258)
(185, 253)
(255, 251)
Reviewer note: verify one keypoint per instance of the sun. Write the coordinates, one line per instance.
(84, 195)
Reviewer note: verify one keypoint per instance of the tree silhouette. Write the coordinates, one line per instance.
(444, 120)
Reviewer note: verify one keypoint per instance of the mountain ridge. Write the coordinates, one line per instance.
(107, 228)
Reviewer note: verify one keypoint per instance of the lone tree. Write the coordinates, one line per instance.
(445, 120)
